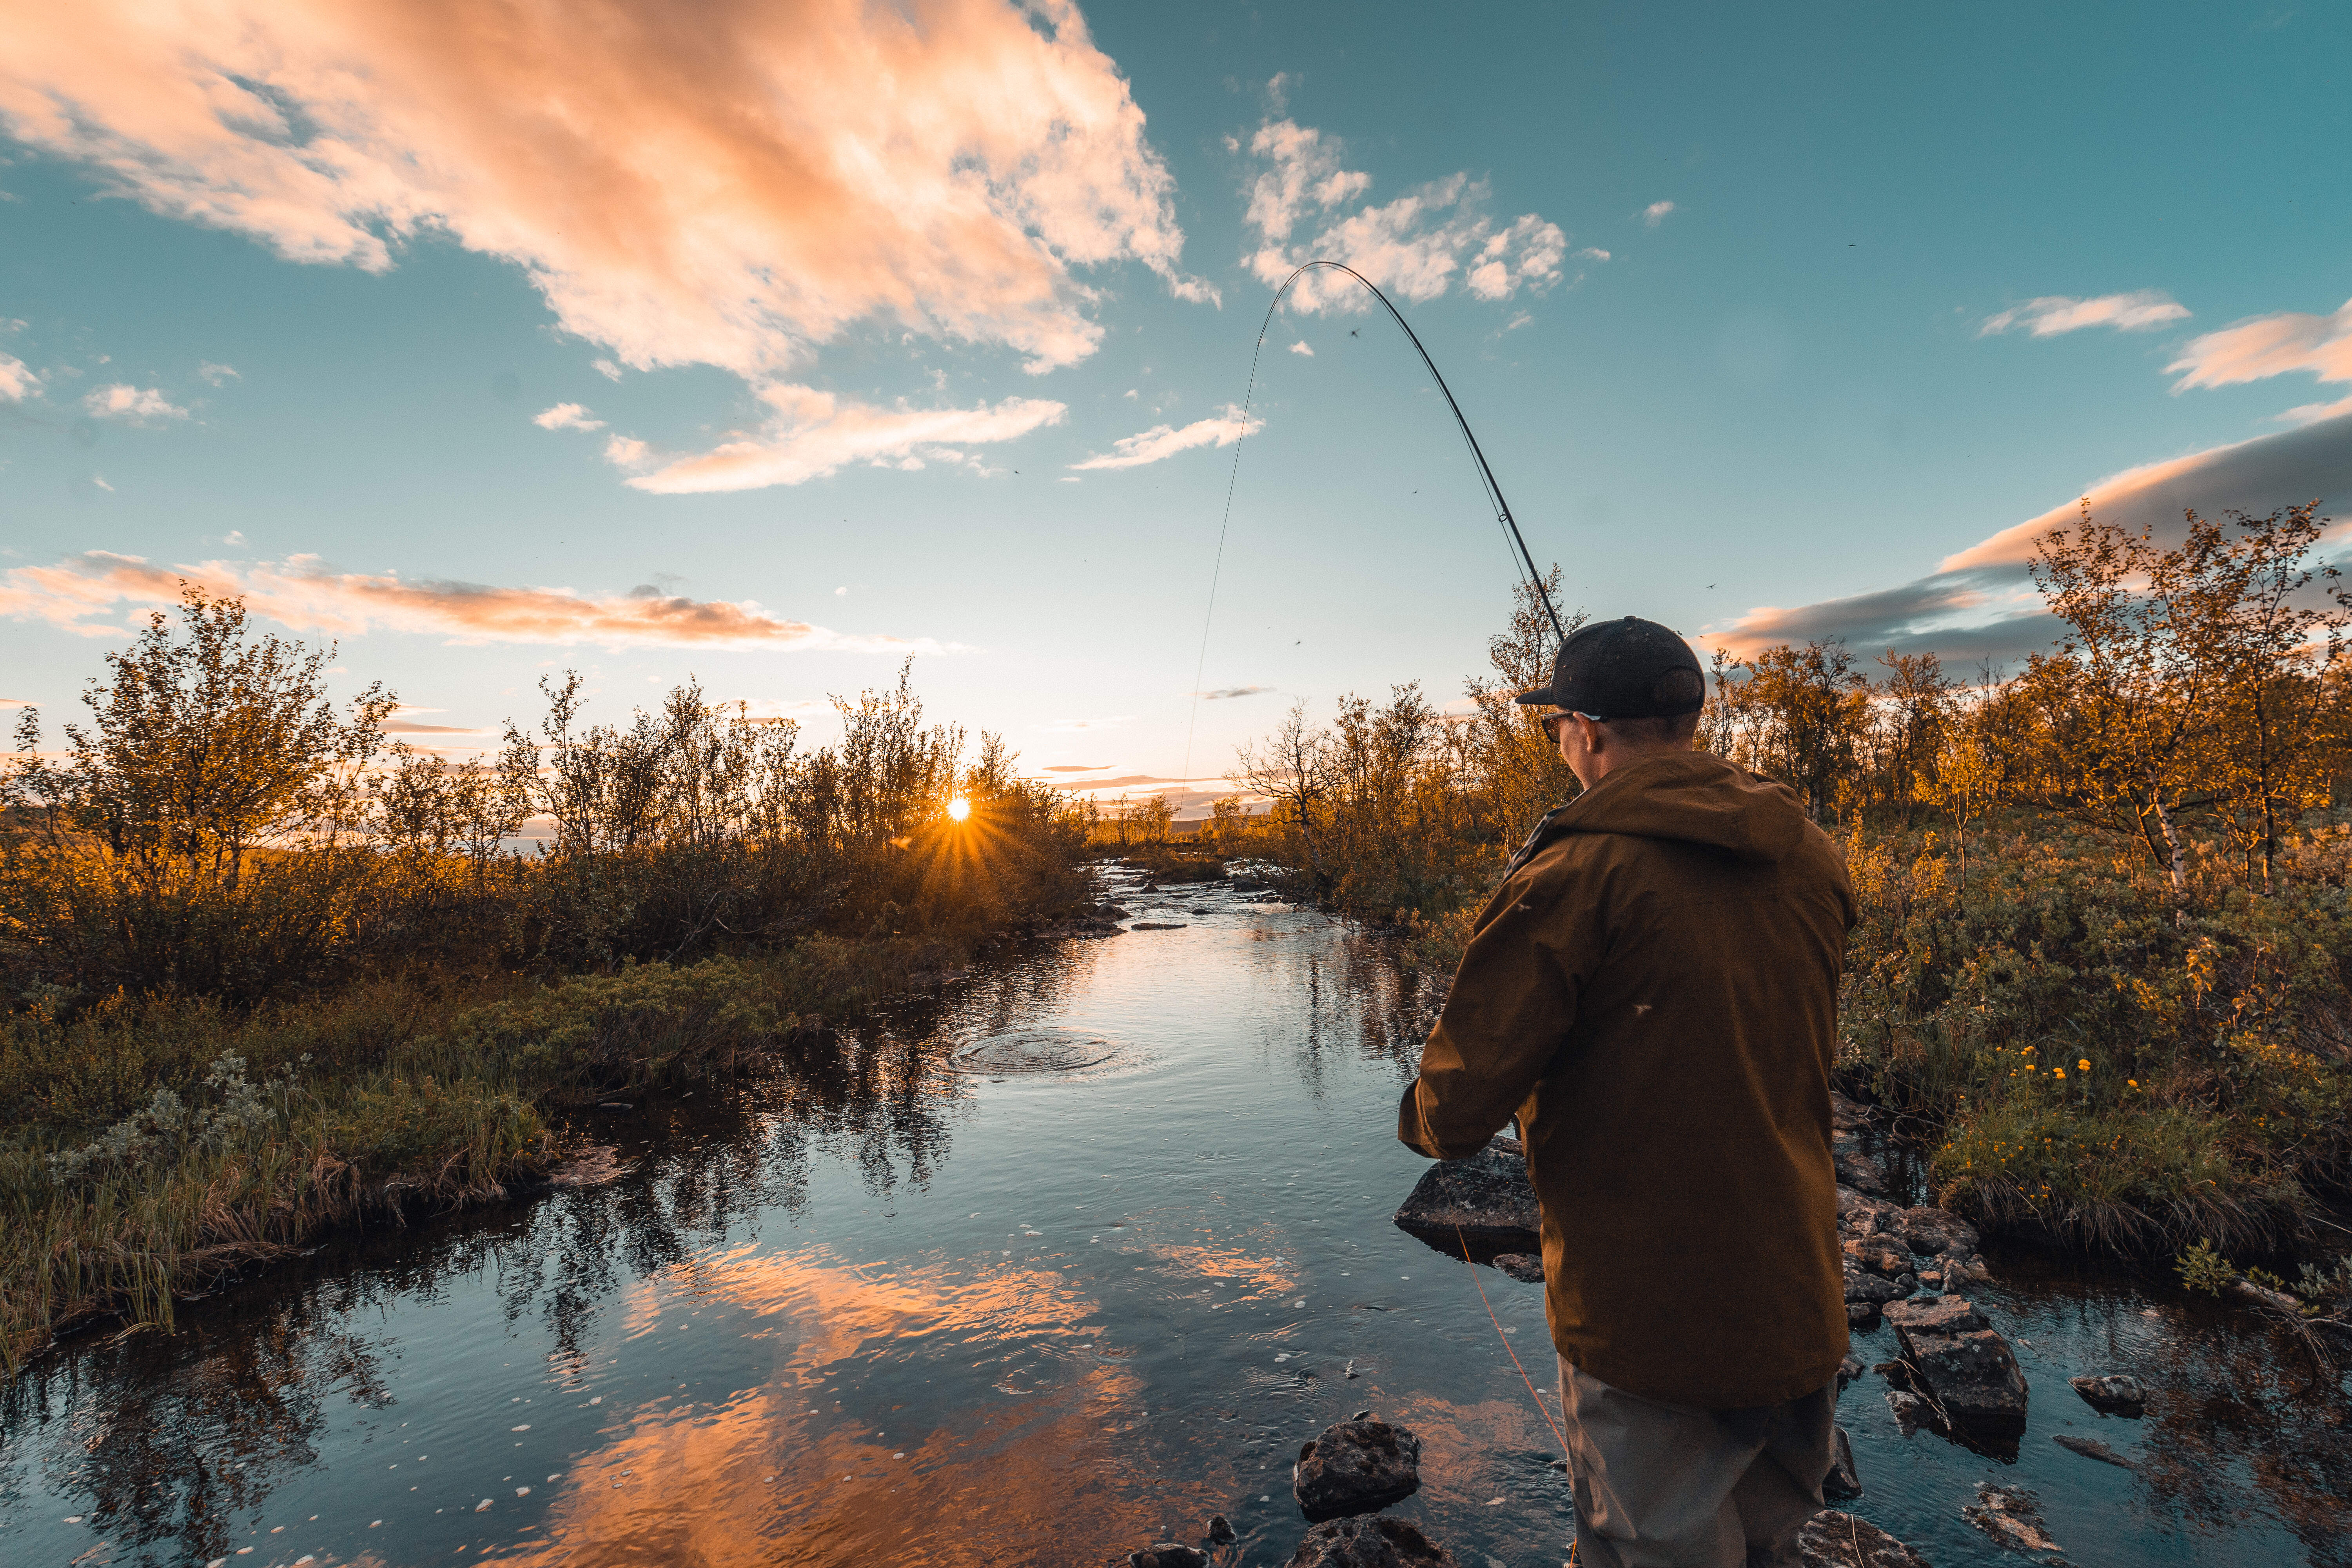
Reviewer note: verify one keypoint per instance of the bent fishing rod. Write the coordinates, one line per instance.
(1494, 491)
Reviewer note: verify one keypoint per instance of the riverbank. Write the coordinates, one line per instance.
(154, 1148)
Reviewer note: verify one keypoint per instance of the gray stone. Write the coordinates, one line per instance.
(1220, 1533)
(1861, 1286)
(1848, 1370)
(1834, 1539)
(1960, 1360)
(1377, 1542)
(1911, 1412)
(1356, 1467)
(1168, 1554)
(1932, 1230)
(1843, 1482)
(2112, 1394)
(1856, 1169)
(2011, 1516)
(1485, 1198)
(1861, 1315)
(1523, 1267)
(1877, 1255)
(2091, 1449)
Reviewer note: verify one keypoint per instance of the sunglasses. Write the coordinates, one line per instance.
(1551, 721)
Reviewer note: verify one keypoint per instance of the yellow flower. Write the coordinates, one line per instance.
(2133, 1081)
(2057, 1072)
(2084, 1064)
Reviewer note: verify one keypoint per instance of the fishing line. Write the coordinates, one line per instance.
(1541, 1408)
(1524, 562)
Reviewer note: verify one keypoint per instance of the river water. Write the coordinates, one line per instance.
(872, 1310)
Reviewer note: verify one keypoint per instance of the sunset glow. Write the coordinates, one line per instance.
(959, 808)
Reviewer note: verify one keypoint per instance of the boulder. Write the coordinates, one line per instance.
(1523, 1267)
(1486, 1198)
(1911, 1412)
(1861, 1315)
(2009, 1515)
(1861, 1214)
(1843, 1482)
(1960, 1360)
(1937, 1231)
(1168, 1554)
(1220, 1533)
(1854, 1168)
(1848, 1370)
(2091, 1449)
(1377, 1542)
(2112, 1394)
(1834, 1539)
(1877, 1255)
(1861, 1286)
(1356, 1467)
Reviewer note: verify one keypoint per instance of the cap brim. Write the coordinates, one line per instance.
(1539, 697)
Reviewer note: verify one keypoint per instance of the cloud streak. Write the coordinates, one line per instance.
(84, 592)
(2269, 345)
(2137, 312)
(728, 182)
(1980, 603)
(566, 416)
(1166, 440)
(1417, 246)
(809, 434)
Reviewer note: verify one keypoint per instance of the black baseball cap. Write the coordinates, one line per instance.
(1631, 669)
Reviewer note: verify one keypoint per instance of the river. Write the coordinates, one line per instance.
(869, 1309)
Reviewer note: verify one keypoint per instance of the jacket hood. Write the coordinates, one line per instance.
(1695, 797)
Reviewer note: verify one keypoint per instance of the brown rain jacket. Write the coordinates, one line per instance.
(1653, 992)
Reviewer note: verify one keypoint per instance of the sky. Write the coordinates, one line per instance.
(772, 344)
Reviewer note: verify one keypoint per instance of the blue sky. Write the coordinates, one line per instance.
(1785, 321)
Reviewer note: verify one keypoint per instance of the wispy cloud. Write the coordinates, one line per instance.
(1303, 347)
(1071, 726)
(1078, 768)
(82, 593)
(724, 184)
(1225, 691)
(566, 416)
(2269, 345)
(18, 381)
(1980, 602)
(1656, 214)
(809, 434)
(1417, 246)
(1167, 440)
(2137, 312)
(139, 405)
(217, 374)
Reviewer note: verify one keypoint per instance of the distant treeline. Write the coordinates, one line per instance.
(217, 827)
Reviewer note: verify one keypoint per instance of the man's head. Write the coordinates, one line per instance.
(1625, 689)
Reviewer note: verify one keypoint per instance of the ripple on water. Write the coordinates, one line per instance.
(1032, 1050)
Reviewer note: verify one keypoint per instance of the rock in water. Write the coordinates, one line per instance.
(1356, 1467)
(1168, 1554)
(1848, 1370)
(1378, 1542)
(1834, 1539)
(1221, 1533)
(1486, 1197)
(2113, 1394)
(1525, 1266)
(1843, 1482)
(2011, 1516)
(1967, 1366)
(2091, 1449)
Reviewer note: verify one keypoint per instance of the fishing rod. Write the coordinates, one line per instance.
(1502, 508)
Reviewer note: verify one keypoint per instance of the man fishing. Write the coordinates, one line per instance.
(1653, 993)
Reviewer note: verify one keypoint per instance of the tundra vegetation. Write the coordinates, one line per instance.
(2102, 960)
(268, 970)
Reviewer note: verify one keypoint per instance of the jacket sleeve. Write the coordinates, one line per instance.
(1507, 1017)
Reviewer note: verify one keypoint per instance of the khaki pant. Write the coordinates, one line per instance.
(1666, 1486)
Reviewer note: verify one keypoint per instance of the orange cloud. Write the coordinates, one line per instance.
(725, 183)
(2269, 345)
(300, 591)
(1167, 440)
(813, 434)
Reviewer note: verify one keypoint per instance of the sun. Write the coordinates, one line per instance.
(959, 808)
